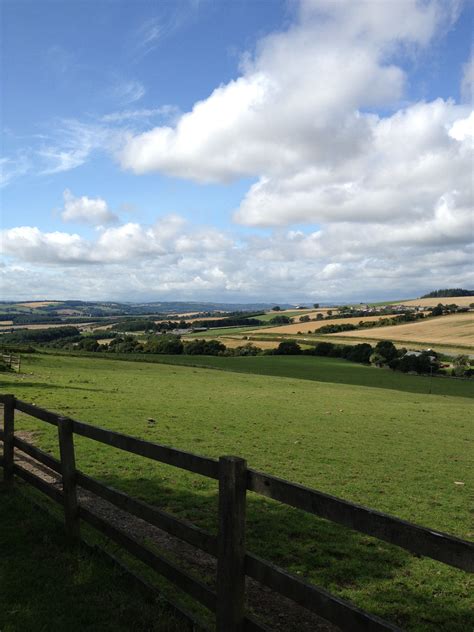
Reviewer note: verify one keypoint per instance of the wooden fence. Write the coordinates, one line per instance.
(12, 361)
(234, 563)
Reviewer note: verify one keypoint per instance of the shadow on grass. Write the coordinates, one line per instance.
(52, 387)
(414, 593)
(46, 585)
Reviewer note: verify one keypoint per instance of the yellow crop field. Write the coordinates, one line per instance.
(462, 301)
(455, 329)
(34, 304)
(315, 325)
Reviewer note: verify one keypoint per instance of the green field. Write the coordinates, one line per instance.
(367, 435)
(46, 585)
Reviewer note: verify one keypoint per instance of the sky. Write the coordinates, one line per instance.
(236, 150)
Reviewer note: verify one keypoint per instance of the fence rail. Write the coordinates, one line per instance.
(234, 563)
(12, 361)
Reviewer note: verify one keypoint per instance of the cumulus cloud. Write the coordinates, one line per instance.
(342, 260)
(297, 101)
(302, 120)
(86, 210)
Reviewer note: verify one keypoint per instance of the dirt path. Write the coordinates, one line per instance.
(281, 614)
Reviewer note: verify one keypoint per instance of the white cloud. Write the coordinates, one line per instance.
(86, 210)
(13, 168)
(70, 145)
(172, 257)
(133, 115)
(296, 102)
(126, 92)
(467, 82)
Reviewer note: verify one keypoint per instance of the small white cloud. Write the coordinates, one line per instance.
(133, 115)
(86, 210)
(128, 91)
(467, 82)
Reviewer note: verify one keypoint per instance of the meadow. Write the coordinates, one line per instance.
(366, 435)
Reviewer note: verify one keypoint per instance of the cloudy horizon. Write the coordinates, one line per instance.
(318, 150)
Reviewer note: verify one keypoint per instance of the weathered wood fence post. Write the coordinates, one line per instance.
(8, 435)
(68, 472)
(231, 544)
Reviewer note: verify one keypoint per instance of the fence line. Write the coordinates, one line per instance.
(233, 561)
(12, 361)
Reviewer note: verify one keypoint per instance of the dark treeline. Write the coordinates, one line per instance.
(449, 292)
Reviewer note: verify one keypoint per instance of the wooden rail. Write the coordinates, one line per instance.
(227, 597)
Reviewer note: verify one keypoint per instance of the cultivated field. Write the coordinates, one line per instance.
(353, 431)
(36, 304)
(314, 326)
(462, 301)
(454, 329)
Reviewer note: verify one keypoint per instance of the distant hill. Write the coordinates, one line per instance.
(449, 292)
(46, 309)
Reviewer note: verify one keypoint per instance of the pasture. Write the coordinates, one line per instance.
(367, 435)
(453, 329)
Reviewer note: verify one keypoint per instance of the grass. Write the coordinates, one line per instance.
(370, 436)
(46, 585)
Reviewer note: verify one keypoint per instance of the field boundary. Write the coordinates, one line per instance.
(234, 563)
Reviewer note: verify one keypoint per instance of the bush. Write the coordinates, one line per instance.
(324, 348)
(386, 349)
(288, 347)
(359, 353)
(204, 347)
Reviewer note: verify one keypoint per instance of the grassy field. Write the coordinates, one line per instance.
(46, 585)
(367, 435)
(454, 329)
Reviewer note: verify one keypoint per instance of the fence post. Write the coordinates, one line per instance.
(8, 434)
(231, 544)
(68, 471)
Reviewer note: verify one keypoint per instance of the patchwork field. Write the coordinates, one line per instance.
(462, 301)
(314, 326)
(454, 329)
(353, 431)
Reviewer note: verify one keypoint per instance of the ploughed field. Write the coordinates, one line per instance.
(367, 435)
(454, 329)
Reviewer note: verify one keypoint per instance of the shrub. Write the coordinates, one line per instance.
(288, 347)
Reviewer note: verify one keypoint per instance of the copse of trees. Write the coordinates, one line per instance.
(40, 336)
(280, 320)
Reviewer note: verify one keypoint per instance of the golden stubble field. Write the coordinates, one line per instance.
(315, 325)
(462, 301)
(455, 329)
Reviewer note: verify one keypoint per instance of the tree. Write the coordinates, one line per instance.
(359, 353)
(277, 308)
(164, 344)
(280, 320)
(316, 305)
(387, 349)
(288, 347)
(305, 319)
(461, 364)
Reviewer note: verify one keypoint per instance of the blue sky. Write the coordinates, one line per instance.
(238, 149)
